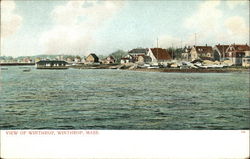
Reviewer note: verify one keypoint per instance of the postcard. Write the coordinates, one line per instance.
(124, 79)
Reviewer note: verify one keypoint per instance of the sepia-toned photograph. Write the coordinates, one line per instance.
(97, 66)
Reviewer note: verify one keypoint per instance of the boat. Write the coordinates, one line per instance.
(144, 66)
(153, 67)
(26, 70)
(4, 68)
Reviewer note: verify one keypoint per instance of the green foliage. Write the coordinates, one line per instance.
(118, 55)
(101, 56)
(175, 52)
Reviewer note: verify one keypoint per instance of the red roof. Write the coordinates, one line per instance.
(241, 48)
(161, 54)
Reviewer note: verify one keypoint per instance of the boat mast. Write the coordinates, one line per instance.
(195, 39)
(157, 50)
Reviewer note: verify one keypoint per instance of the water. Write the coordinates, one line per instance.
(119, 99)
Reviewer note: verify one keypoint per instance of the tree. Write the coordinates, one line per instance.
(175, 52)
(118, 55)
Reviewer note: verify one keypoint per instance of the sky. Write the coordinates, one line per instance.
(81, 27)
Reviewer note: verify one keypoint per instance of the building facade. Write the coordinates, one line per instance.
(47, 64)
(159, 55)
(237, 52)
(92, 58)
(219, 52)
(201, 52)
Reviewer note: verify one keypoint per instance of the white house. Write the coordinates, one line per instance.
(219, 52)
(236, 53)
(159, 55)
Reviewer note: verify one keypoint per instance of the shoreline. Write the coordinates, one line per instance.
(210, 70)
(177, 70)
(17, 64)
(174, 70)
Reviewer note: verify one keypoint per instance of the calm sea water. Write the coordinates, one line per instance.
(119, 99)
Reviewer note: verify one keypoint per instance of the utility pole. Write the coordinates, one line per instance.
(195, 39)
(223, 53)
(157, 49)
(172, 51)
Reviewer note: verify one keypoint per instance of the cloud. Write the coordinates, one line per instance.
(206, 18)
(10, 21)
(237, 28)
(212, 26)
(75, 24)
(167, 41)
(233, 4)
(205, 22)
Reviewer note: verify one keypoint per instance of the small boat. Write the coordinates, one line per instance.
(153, 67)
(113, 67)
(23, 67)
(26, 70)
(4, 68)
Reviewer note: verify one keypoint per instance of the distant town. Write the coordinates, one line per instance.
(189, 56)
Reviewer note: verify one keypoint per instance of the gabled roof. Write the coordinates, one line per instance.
(138, 50)
(93, 55)
(41, 62)
(222, 48)
(187, 49)
(238, 47)
(161, 54)
(111, 57)
(203, 49)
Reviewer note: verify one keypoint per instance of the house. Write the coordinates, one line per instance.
(159, 55)
(219, 52)
(77, 59)
(201, 52)
(138, 52)
(237, 52)
(37, 59)
(69, 59)
(144, 59)
(82, 60)
(124, 60)
(127, 59)
(91, 58)
(135, 53)
(109, 60)
(27, 60)
(246, 61)
(59, 57)
(55, 64)
(186, 54)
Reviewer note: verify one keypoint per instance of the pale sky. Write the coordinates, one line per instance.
(81, 27)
